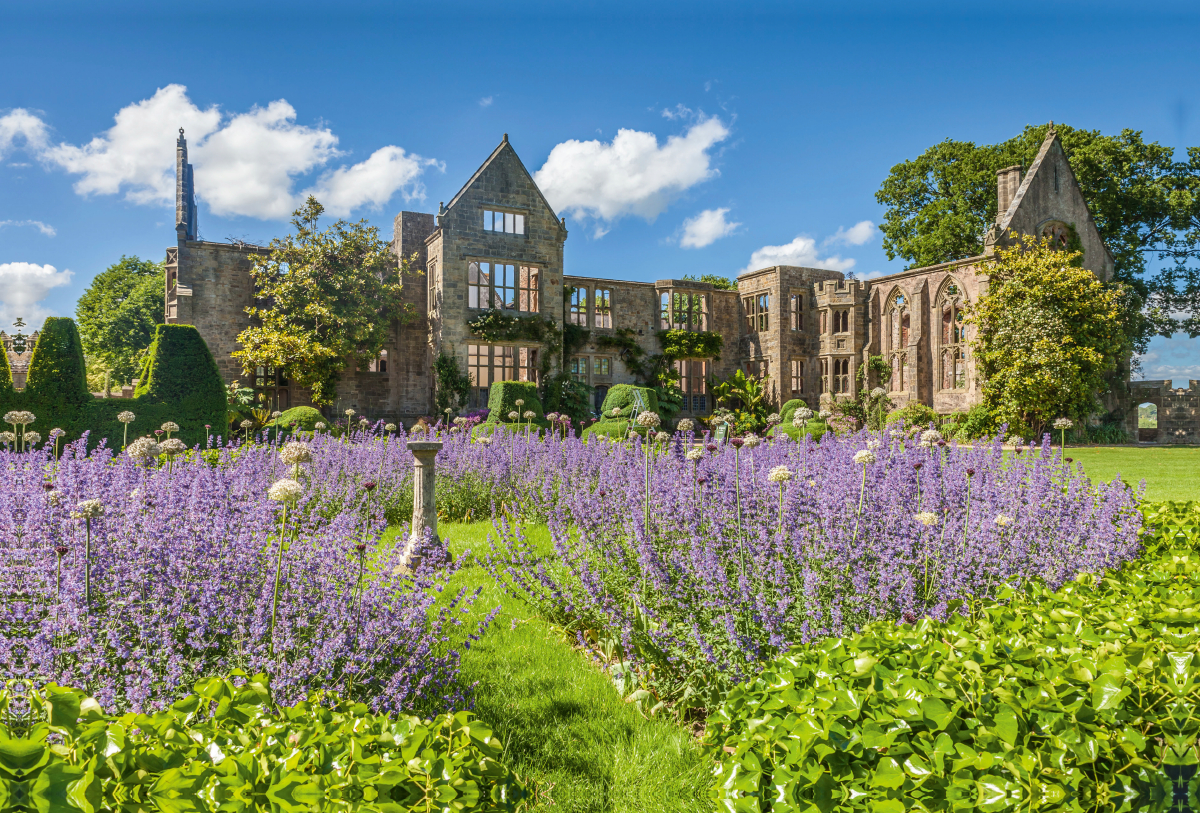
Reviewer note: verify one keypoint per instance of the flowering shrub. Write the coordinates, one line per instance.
(734, 566)
(183, 571)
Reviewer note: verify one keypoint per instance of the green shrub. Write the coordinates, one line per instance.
(231, 747)
(913, 414)
(181, 385)
(1078, 692)
(816, 427)
(6, 379)
(978, 422)
(503, 397)
(621, 397)
(305, 417)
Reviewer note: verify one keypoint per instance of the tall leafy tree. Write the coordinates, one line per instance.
(325, 298)
(117, 314)
(716, 280)
(1048, 337)
(941, 205)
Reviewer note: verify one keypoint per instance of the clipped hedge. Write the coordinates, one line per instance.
(621, 397)
(228, 747)
(502, 399)
(913, 414)
(305, 417)
(181, 384)
(1081, 699)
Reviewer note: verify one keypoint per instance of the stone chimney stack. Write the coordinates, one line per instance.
(185, 192)
(1008, 181)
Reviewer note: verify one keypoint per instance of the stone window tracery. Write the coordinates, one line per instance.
(683, 311)
(502, 286)
(757, 308)
(796, 310)
(603, 313)
(898, 322)
(841, 376)
(797, 375)
(487, 363)
(952, 337)
(823, 385)
(578, 314)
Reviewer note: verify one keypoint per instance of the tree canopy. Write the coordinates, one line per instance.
(1048, 335)
(117, 314)
(941, 205)
(325, 298)
(715, 280)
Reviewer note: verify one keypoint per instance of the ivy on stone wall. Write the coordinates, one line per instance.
(496, 326)
(452, 382)
(691, 344)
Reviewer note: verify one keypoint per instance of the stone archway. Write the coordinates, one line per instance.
(1147, 417)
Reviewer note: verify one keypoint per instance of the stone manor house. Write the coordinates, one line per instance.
(499, 244)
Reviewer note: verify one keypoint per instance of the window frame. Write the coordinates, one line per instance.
(518, 220)
(518, 283)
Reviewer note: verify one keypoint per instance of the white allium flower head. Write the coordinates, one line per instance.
(88, 509)
(389, 427)
(649, 419)
(864, 457)
(57, 433)
(530, 414)
(614, 412)
(878, 392)
(486, 440)
(126, 417)
(1063, 423)
(825, 414)
(512, 416)
(55, 497)
(780, 474)
(143, 449)
(774, 418)
(247, 424)
(172, 446)
(363, 421)
(751, 441)
(294, 453)
(8, 437)
(349, 412)
(454, 429)
(694, 454)
(1016, 440)
(873, 443)
(662, 437)
(10, 416)
(285, 490)
(685, 425)
(1003, 520)
(319, 425)
(804, 413)
(170, 426)
(33, 437)
(926, 518)
(520, 402)
(274, 414)
(930, 437)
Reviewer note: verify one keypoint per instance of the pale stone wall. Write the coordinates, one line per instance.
(1178, 412)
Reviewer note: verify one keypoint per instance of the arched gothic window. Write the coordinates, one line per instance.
(952, 337)
(898, 319)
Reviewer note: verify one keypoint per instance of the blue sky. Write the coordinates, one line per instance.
(675, 138)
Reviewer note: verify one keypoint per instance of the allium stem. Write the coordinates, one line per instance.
(87, 565)
(278, 570)
(862, 495)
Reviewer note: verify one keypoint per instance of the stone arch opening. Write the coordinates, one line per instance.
(1147, 421)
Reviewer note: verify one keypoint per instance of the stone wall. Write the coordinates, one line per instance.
(1178, 412)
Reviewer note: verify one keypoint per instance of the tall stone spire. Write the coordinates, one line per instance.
(185, 199)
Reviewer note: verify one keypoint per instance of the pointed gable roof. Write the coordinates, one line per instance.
(1050, 191)
(504, 150)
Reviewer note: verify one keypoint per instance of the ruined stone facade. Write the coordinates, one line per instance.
(499, 244)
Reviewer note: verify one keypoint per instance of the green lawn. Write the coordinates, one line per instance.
(1170, 472)
(562, 723)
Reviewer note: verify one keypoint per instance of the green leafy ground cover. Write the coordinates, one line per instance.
(563, 725)
(1084, 699)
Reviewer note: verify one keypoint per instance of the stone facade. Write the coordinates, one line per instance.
(499, 243)
(1178, 412)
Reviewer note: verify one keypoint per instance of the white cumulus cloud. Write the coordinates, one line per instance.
(486, 101)
(248, 163)
(22, 288)
(44, 228)
(20, 123)
(631, 175)
(802, 251)
(858, 234)
(706, 228)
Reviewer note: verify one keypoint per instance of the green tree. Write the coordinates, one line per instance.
(715, 280)
(1048, 335)
(941, 205)
(327, 297)
(117, 315)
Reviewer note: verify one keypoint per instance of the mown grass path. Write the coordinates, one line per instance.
(1170, 472)
(561, 721)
